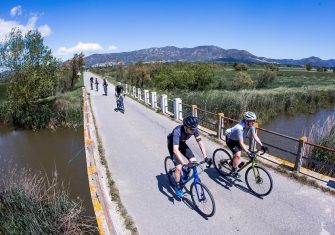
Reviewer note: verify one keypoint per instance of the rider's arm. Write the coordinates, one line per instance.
(243, 146)
(200, 143)
(255, 136)
(178, 154)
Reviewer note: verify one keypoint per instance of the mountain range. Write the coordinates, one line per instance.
(196, 54)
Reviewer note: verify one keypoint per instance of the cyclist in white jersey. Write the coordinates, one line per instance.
(235, 135)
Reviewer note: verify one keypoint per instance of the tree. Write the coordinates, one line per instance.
(265, 78)
(242, 81)
(33, 77)
(240, 67)
(308, 67)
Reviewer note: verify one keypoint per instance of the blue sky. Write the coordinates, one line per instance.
(275, 29)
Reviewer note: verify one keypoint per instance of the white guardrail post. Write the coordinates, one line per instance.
(126, 88)
(154, 99)
(139, 94)
(146, 97)
(177, 109)
(134, 91)
(164, 105)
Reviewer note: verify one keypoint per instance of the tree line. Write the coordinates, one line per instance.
(35, 78)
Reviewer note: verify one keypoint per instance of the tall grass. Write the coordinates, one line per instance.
(322, 134)
(31, 204)
(266, 104)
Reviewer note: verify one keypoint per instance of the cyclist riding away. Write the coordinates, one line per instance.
(235, 135)
(177, 147)
(105, 85)
(91, 81)
(118, 94)
(96, 84)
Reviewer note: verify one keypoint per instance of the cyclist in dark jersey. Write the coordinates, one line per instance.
(177, 147)
(91, 82)
(119, 98)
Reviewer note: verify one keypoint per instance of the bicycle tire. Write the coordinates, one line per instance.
(221, 158)
(169, 165)
(195, 199)
(263, 176)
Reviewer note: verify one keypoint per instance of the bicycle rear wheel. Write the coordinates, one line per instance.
(258, 180)
(170, 170)
(222, 161)
(202, 199)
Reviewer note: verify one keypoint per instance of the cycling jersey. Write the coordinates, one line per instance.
(119, 89)
(179, 135)
(239, 131)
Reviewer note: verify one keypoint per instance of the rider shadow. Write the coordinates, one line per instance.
(227, 181)
(165, 188)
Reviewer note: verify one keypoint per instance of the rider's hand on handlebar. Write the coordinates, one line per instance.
(265, 149)
(209, 161)
(251, 154)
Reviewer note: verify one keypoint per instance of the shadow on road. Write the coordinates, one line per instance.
(227, 181)
(166, 189)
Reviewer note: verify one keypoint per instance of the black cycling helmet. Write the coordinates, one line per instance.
(190, 121)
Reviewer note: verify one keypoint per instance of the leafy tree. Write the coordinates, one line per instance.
(319, 69)
(308, 67)
(240, 67)
(265, 78)
(33, 77)
(242, 81)
(272, 67)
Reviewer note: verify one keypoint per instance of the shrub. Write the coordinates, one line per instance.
(242, 81)
(240, 67)
(33, 204)
(265, 78)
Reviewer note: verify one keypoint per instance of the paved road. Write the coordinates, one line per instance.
(135, 144)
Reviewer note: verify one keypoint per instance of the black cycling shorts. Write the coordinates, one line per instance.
(183, 148)
(234, 145)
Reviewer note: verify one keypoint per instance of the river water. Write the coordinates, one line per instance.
(46, 151)
(293, 126)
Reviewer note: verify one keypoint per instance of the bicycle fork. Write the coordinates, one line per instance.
(258, 179)
(201, 197)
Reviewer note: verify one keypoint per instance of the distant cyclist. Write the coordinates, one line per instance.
(177, 147)
(119, 97)
(96, 84)
(91, 82)
(235, 135)
(105, 85)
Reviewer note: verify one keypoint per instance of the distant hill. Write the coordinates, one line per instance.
(200, 53)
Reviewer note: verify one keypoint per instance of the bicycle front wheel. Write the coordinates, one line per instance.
(258, 180)
(202, 199)
(222, 161)
(170, 170)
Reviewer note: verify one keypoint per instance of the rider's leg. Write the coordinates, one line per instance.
(236, 159)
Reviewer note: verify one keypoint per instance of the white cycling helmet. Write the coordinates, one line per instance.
(118, 83)
(249, 116)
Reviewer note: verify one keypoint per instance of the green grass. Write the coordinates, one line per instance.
(3, 88)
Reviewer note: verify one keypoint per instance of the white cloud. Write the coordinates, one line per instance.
(112, 48)
(16, 11)
(7, 26)
(80, 47)
(44, 30)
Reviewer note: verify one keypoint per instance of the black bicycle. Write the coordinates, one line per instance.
(258, 179)
(200, 194)
(119, 103)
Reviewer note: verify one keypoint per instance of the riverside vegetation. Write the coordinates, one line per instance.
(268, 90)
(38, 91)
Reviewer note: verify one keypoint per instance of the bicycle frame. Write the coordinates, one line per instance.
(196, 178)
